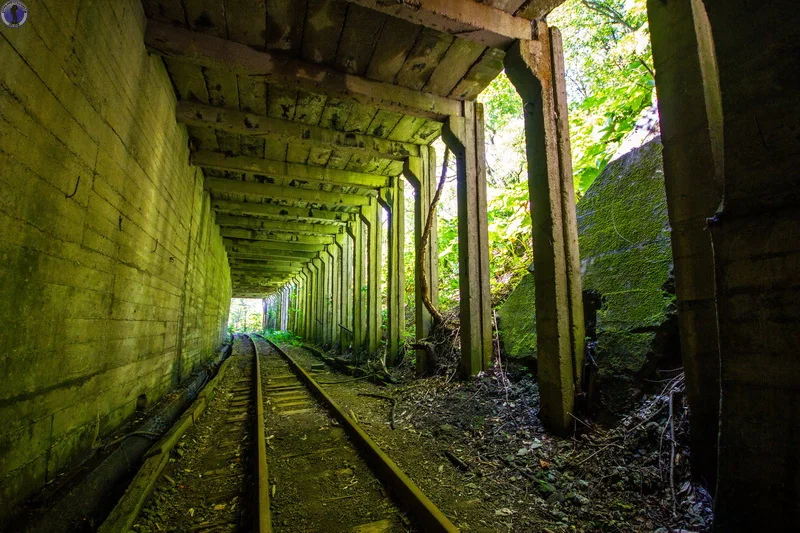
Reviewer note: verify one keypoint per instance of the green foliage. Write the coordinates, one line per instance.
(246, 314)
(609, 83)
(609, 77)
(283, 337)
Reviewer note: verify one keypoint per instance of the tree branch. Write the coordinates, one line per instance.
(426, 235)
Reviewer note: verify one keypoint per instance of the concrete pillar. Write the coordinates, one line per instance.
(265, 315)
(307, 315)
(349, 289)
(319, 304)
(536, 68)
(329, 296)
(421, 174)
(756, 247)
(691, 131)
(393, 200)
(338, 292)
(370, 215)
(464, 136)
(300, 304)
(356, 231)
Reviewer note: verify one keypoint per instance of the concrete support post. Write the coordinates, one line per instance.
(536, 68)
(330, 295)
(464, 136)
(312, 299)
(393, 200)
(286, 308)
(319, 302)
(309, 312)
(290, 308)
(265, 315)
(421, 174)
(370, 215)
(338, 292)
(324, 317)
(756, 250)
(356, 231)
(691, 131)
(301, 305)
(349, 291)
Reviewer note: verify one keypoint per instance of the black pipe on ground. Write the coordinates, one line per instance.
(86, 504)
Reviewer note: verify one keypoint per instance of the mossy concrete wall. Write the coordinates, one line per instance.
(113, 280)
(626, 261)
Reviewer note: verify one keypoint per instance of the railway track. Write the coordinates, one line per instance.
(211, 483)
(325, 474)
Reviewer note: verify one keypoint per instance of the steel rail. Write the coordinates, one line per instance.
(263, 514)
(405, 490)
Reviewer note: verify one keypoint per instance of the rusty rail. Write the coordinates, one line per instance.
(263, 514)
(405, 490)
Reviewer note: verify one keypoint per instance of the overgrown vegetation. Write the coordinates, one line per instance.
(609, 83)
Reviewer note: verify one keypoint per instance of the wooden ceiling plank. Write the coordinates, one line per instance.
(190, 85)
(252, 99)
(360, 118)
(428, 132)
(461, 55)
(236, 221)
(281, 102)
(279, 212)
(275, 150)
(339, 159)
(406, 128)
(423, 58)
(265, 190)
(319, 156)
(362, 27)
(253, 235)
(336, 113)
(213, 52)
(285, 22)
(323, 26)
(250, 124)
(477, 21)
(292, 171)
(277, 255)
(309, 107)
(480, 75)
(282, 247)
(395, 41)
(383, 123)
(536, 9)
(297, 154)
(165, 10)
(246, 21)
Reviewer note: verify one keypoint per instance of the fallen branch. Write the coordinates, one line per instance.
(384, 397)
(458, 463)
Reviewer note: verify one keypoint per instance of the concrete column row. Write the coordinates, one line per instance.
(339, 292)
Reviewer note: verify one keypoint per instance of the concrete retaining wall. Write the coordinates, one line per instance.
(113, 280)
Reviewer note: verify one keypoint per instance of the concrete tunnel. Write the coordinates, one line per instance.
(159, 158)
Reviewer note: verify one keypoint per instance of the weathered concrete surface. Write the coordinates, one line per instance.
(757, 265)
(113, 279)
(691, 126)
(626, 261)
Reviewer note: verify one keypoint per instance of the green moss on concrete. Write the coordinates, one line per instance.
(516, 320)
(626, 258)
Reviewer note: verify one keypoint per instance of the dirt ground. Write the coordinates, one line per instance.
(478, 450)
